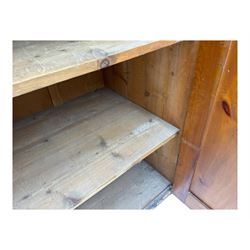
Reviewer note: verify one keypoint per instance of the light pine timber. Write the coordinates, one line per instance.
(38, 64)
(160, 82)
(65, 155)
(135, 189)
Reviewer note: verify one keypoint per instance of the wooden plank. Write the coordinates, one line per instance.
(160, 82)
(80, 85)
(210, 61)
(215, 177)
(30, 103)
(67, 154)
(194, 203)
(137, 188)
(42, 99)
(38, 64)
(55, 95)
(159, 198)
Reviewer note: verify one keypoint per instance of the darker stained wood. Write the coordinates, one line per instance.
(79, 86)
(55, 95)
(28, 104)
(208, 70)
(215, 177)
(194, 203)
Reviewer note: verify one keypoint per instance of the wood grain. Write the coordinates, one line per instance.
(210, 61)
(38, 64)
(135, 189)
(65, 155)
(161, 83)
(194, 203)
(215, 177)
(28, 104)
(54, 95)
(81, 85)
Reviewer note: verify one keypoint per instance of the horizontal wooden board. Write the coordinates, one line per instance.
(37, 64)
(137, 188)
(65, 155)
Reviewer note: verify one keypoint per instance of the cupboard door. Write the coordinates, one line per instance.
(215, 178)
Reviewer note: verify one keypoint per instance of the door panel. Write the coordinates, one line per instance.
(215, 178)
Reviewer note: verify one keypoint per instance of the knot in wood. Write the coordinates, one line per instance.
(104, 63)
(226, 108)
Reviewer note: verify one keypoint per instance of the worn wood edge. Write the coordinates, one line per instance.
(55, 95)
(29, 85)
(80, 202)
(122, 172)
(131, 164)
(119, 190)
(182, 191)
(194, 202)
(159, 198)
(210, 120)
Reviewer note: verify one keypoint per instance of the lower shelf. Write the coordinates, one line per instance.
(64, 156)
(139, 188)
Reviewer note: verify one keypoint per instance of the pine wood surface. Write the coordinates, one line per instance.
(63, 156)
(38, 64)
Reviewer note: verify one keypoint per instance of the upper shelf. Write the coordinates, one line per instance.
(38, 64)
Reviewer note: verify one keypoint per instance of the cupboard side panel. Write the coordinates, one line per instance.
(161, 83)
(215, 177)
(208, 70)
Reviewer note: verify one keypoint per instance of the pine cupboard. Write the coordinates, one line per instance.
(123, 124)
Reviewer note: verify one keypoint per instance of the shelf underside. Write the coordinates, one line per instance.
(139, 188)
(64, 156)
(38, 64)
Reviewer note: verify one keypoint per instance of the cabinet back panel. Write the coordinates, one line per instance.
(54, 95)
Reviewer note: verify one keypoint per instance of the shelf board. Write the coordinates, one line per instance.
(138, 188)
(65, 155)
(38, 64)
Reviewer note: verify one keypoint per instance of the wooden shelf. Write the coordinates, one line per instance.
(140, 187)
(37, 64)
(65, 155)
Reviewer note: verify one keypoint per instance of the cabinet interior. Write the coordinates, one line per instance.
(131, 113)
